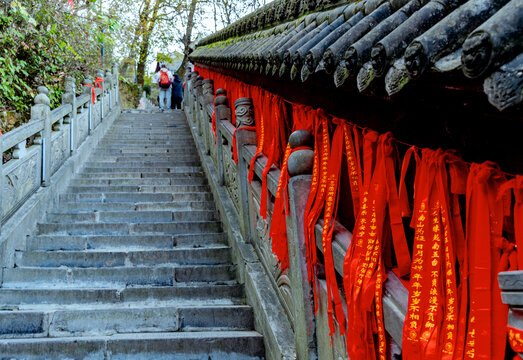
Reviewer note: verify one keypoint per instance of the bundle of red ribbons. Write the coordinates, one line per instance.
(97, 84)
(454, 307)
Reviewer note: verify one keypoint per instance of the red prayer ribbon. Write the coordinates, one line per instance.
(516, 185)
(515, 338)
(98, 81)
(93, 93)
(486, 336)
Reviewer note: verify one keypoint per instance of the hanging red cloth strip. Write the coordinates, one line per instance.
(431, 325)
(353, 165)
(516, 185)
(98, 82)
(370, 139)
(316, 197)
(364, 271)
(93, 93)
(486, 334)
(278, 230)
(213, 120)
(329, 220)
(515, 338)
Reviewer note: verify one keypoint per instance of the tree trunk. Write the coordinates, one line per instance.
(148, 27)
(187, 38)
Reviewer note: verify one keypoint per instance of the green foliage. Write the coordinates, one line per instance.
(129, 93)
(42, 42)
(147, 89)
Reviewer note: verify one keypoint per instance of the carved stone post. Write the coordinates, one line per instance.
(69, 97)
(88, 90)
(116, 84)
(100, 74)
(108, 87)
(207, 100)
(189, 89)
(244, 110)
(300, 162)
(41, 110)
(198, 92)
(511, 285)
(221, 112)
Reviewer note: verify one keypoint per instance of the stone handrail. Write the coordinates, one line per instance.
(41, 146)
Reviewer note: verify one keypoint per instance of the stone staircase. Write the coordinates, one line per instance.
(133, 264)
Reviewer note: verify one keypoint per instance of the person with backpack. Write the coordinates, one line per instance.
(177, 92)
(165, 79)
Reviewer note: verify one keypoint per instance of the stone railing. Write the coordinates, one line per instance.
(309, 332)
(42, 146)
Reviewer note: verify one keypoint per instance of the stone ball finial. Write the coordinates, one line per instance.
(300, 162)
(42, 98)
(69, 84)
(208, 86)
(221, 100)
(221, 92)
(301, 138)
(244, 110)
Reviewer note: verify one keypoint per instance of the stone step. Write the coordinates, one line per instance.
(138, 197)
(111, 258)
(182, 169)
(236, 345)
(145, 148)
(213, 292)
(104, 158)
(186, 227)
(138, 188)
(172, 142)
(140, 175)
(146, 165)
(146, 137)
(88, 242)
(169, 136)
(139, 206)
(140, 181)
(144, 152)
(117, 320)
(108, 277)
(131, 216)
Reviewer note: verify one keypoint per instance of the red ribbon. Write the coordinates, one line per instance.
(316, 197)
(98, 81)
(486, 335)
(516, 185)
(93, 93)
(364, 271)
(515, 338)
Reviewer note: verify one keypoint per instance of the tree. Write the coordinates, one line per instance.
(186, 40)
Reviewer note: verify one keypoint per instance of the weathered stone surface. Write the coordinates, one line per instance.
(244, 112)
(301, 138)
(301, 162)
